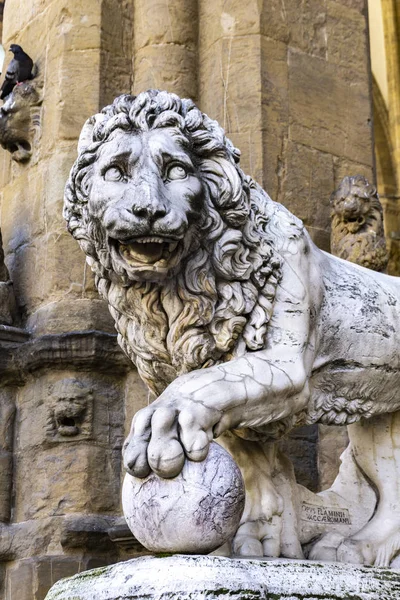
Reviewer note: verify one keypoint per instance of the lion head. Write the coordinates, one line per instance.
(357, 224)
(180, 240)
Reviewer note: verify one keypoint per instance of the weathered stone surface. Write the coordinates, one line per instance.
(117, 33)
(88, 531)
(154, 68)
(303, 174)
(344, 48)
(30, 579)
(157, 23)
(165, 38)
(320, 92)
(342, 167)
(216, 578)
(221, 19)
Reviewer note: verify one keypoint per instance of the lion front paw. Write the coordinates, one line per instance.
(167, 432)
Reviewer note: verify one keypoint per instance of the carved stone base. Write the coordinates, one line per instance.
(216, 578)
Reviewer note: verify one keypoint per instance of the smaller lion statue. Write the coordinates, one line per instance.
(357, 224)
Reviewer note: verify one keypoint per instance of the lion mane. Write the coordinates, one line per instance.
(357, 224)
(224, 290)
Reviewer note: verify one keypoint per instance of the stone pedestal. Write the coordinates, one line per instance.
(216, 578)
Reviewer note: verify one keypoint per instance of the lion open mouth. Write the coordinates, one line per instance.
(147, 250)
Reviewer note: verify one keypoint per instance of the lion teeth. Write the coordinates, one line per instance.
(147, 250)
(150, 240)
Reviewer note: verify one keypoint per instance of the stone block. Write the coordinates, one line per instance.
(347, 38)
(5, 170)
(20, 581)
(117, 33)
(78, 87)
(306, 183)
(55, 172)
(76, 314)
(275, 110)
(49, 269)
(22, 211)
(89, 532)
(75, 477)
(250, 144)
(343, 167)
(6, 479)
(157, 22)
(7, 414)
(65, 466)
(137, 396)
(74, 27)
(329, 110)
(223, 20)
(172, 70)
(230, 84)
(273, 23)
(360, 5)
(50, 570)
(306, 26)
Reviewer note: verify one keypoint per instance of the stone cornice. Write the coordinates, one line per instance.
(21, 353)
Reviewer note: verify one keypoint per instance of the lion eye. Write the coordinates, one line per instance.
(113, 174)
(176, 172)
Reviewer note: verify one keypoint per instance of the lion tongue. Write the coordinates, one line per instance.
(148, 252)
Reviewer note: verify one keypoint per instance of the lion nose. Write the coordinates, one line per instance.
(351, 206)
(148, 212)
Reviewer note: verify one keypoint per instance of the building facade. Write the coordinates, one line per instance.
(291, 84)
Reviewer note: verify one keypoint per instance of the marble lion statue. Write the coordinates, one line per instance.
(241, 327)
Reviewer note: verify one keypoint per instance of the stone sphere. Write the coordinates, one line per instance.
(195, 512)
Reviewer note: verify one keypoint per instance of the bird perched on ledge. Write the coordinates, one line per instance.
(19, 70)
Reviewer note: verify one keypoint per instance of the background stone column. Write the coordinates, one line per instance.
(165, 46)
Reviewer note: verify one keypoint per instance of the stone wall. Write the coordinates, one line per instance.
(290, 83)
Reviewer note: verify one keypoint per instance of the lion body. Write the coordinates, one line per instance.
(240, 322)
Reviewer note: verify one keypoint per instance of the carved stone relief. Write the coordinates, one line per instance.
(19, 120)
(241, 326)
(70, 413)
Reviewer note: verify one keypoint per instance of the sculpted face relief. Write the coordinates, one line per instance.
(240, 326)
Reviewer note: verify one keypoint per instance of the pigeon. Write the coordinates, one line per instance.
(19, 70)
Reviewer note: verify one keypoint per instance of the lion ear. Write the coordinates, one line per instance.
(86, 136)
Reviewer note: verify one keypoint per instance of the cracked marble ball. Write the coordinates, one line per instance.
(195, 512)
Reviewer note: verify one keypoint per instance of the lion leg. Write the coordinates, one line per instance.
(376, 448)
(267, 526)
